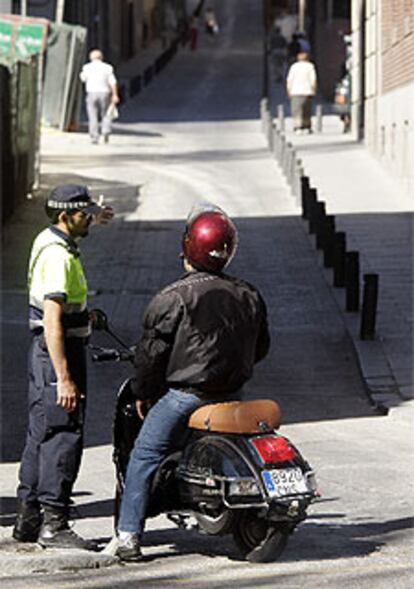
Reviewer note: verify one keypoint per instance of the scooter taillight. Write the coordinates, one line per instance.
(273, 449)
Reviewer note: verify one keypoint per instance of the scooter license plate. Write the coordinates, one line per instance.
(284, 481)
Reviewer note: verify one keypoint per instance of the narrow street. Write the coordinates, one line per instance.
(194, 135)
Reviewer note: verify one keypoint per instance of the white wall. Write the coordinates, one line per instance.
(395, 129)
(388, 130)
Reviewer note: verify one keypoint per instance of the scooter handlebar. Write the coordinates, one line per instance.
(111, 355)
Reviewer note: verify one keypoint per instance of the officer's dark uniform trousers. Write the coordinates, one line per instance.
(53, 450)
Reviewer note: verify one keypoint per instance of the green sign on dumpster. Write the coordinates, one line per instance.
(20, 37)
(6, 35)
(28, 39)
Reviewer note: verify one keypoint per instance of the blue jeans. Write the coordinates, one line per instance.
(164, 429)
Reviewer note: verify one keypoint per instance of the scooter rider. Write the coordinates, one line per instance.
(201, 338)
(59, 324)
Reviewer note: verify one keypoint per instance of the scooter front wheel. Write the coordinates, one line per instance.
(257, 539)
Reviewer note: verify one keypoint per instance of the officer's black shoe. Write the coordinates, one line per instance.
(28, 522)
(56, 533)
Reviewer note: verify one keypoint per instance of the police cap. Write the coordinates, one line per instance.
(72, 197)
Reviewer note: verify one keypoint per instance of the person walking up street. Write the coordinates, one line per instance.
(101, 93)
(202, 336)
(278, 52)
(60, 325)
(210, 21)
(301, 88)
(193, 30)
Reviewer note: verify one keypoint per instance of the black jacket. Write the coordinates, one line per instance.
(203, 333)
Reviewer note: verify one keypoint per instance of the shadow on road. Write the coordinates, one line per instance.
(311, 369)
(326, 539)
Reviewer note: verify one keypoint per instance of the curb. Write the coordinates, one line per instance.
(19, 559)
(380, 384)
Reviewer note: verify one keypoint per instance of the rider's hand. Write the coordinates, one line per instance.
(141, 407)
(68, 395)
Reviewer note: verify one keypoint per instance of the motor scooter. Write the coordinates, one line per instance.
(236, 474)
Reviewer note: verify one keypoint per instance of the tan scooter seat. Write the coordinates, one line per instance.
(237, 417)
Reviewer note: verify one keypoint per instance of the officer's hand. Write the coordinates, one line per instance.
(141, 407)
(104, 216)
(68, 395)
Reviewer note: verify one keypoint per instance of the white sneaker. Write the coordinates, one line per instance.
(126, 546)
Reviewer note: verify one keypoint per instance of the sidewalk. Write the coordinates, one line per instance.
(377, 217)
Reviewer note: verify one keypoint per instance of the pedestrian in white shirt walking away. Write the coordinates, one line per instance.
(101, 93)
(301, 88)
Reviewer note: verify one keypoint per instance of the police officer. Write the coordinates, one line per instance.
(59, 323)
(202, 336)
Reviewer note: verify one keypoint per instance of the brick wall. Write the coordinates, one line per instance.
(397, 43)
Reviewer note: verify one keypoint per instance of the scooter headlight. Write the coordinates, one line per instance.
(244, 487)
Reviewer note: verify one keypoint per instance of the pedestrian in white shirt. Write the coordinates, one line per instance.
(101, 92)
(301, 88)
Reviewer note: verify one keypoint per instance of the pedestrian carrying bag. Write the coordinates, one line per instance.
(112, 112)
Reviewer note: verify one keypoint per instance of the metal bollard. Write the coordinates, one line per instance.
(270, 128)
(263, 111)
(369, 307)
(282, 148)
(311, 199)
(318, 213)
(287, 162)
(328, 240)
(352, 281)
(339, 249)
(291, 170)
(304, 189)
(278, 144)
(281, 117)
(319, 113)
(296, 181)
(314, 211)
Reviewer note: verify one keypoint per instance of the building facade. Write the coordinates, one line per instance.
(383, 82)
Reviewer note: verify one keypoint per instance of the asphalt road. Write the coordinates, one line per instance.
(194, 134)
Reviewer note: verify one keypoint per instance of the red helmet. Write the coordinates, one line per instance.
(210, 240)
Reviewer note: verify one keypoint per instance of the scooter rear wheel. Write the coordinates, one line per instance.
(257, 539)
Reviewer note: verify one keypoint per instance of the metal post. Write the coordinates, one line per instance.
(265, 84)
(369, 307)
(263, 109)
(304, 189)
(339, 259)
(317, 214)
(312, 197)
(352, 281)
(281, 117)
(320, 224)
(60, 10)
(302, 15)
(39, 91)
(69, 70)
(319, 113)
(328, 240)
(23, 8)
(297, 179)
